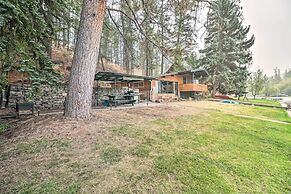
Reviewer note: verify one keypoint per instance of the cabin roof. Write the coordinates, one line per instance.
(121, 77)
(197, 72)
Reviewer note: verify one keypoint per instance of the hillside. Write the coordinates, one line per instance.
(63, 60)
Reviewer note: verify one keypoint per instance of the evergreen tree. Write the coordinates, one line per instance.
(80, 88)
(27, 29)
(277, 76)
(226, 55)
(287, 73)
(257, 82)
(181, 32)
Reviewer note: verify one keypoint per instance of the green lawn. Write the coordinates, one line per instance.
(230, 155)
(210, 152)
(261, 112)
(263, 101)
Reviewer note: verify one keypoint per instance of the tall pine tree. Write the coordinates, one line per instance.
(227, 52)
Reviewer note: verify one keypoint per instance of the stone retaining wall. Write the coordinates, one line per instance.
(48, 98)
(51, 98)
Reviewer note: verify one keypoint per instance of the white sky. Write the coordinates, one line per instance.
(270, 21)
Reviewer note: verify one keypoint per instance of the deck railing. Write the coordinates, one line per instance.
(193, 88)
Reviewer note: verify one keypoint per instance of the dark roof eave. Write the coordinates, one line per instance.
(108, 75)
(184, 72)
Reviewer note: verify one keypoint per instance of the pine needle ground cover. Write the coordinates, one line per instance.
(186, 147)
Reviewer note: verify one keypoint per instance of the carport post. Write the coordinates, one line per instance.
(147, 85)
(97, 93)
(115, 92)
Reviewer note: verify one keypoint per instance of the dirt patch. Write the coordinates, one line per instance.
(57, 126)
(51, 146)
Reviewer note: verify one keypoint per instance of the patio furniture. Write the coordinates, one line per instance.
(24, 106)
(120, 100)
(116, 80)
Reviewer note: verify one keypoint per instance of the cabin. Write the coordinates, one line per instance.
(184, 85)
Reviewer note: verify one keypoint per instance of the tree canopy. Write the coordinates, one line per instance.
(27, 31)
(150, 35)
(227, 52)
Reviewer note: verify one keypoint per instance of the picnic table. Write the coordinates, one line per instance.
(120, 99)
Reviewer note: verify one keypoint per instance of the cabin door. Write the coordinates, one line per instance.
(177, 88)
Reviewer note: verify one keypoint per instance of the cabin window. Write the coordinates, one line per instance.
(138, 84)
(135, 85)
(184, 79)
(166, 87)
(187, 79)
(141, 84)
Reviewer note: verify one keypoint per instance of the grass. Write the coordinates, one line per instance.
(111, 155)
(34, 147)
(254, 111)
(4, 127)
(269, 113)
(263, 102)
(243, 156)
(212, 152)
(140, 151)
(47, 187)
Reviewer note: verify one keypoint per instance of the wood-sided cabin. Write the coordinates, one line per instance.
(184, 84)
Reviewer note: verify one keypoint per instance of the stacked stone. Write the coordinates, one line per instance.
(50, 98)
(19, 92)
(47, 99)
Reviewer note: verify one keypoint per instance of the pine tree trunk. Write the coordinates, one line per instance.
(162, 34)
(146, 57)
(214, 90)
(75, 36)
(214, 84)
(58, 35)
(79, 97)
(49, 20)
(68, 35)
(64, 36)
(131, 49)
(124, 24)
(3, 99)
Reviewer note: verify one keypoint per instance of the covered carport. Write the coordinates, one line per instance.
(120, 80)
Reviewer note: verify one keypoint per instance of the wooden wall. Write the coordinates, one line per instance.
(193, 88)
(185, 87)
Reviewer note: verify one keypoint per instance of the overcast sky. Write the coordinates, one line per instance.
(270, 21)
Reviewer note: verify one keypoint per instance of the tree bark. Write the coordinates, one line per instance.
(64, 36)
(79, 97)
(68, 35)
(162, 18)
(49, 20)
(214, 90)
(214, 84)
(124, 23)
